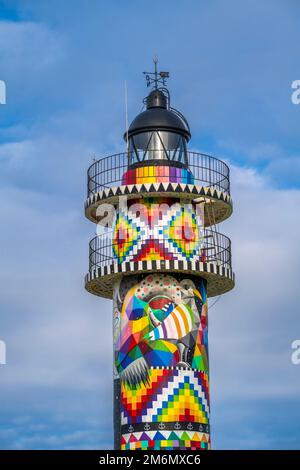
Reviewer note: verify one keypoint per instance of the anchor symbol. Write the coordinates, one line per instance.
(161, 426)
(130, 429)
(177, 426)
(147, 427)
(190, 427)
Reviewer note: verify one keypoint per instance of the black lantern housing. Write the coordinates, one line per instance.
(159, 134)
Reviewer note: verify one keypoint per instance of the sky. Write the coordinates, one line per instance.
(231, 67)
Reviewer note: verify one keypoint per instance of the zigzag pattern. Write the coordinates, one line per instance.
(171, 395)
(177, 188)
(167, 440)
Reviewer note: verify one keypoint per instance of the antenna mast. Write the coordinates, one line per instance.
(126, 114)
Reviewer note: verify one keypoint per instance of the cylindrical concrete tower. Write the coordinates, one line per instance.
(160, 258)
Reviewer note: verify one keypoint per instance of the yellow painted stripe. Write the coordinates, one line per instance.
(197, 293)
(178, 327)
(184, 318)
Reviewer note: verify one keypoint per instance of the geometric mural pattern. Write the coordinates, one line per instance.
(157, 174)
(167, 440)
(169, 396)
(158, 230)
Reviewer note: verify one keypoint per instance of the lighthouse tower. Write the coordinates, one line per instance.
(159, 256)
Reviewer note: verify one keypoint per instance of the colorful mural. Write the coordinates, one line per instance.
(158, 230)
(172, 410)
(161, 360)
(168, 440)
(157, 174)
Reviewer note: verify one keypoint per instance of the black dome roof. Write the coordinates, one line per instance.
(158, 117)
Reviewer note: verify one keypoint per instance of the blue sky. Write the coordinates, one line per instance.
(64, 63)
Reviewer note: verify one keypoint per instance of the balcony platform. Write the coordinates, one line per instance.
(212, 262)
(100, 281)
(209, 185)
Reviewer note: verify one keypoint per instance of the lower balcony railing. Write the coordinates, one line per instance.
(210, 247)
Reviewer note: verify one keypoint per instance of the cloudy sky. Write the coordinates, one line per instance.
(64, 63)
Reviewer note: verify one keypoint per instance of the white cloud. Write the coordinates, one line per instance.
(18, 38)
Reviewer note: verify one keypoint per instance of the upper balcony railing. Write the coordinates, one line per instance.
(215, 248)
(206, 170)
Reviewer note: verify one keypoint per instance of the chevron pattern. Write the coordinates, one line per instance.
(176, 396)
(178, 188)
(169, 396)
(167, 440)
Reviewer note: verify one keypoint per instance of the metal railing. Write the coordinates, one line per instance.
(215, 247)
(108, 171)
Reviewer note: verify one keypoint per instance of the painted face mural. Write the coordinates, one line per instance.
(162, 322)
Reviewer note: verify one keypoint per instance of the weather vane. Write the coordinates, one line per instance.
(156, 77)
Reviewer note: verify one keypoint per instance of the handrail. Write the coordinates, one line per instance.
(207, 171)
(215, 247)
